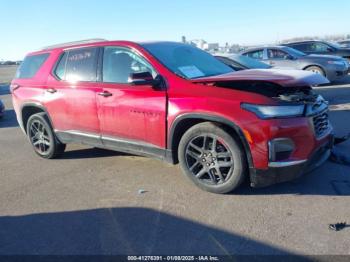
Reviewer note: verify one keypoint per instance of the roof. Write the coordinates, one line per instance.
(303, 41)
(100, 40)
(263, 47)
(73, 43)
(92, 42)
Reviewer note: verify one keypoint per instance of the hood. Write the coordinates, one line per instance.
(325, 57)
(284, 78)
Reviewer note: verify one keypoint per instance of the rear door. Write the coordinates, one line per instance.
(70, 97)
(130, 113)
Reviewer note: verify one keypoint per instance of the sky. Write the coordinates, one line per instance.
(28, 25)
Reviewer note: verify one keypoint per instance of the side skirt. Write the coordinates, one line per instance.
(115, 144)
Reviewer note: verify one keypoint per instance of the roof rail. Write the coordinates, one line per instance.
(86, 41)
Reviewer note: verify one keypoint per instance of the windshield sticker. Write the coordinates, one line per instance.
(191, 71)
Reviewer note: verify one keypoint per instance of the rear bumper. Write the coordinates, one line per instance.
(287, 171)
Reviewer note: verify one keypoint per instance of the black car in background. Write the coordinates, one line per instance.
(320, 48)
(241, 62)
(2, 109)
(344, 43)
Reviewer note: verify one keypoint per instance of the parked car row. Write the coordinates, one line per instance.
(321, 47)
(332, 67)
(178, 103)
(327, 59)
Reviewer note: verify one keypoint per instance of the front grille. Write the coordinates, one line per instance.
(321, 123)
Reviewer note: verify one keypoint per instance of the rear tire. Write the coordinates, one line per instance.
(211, 158)
(42, 137)
(316, 70)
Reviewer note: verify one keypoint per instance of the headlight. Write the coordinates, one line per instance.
(266, 112)
(342, 63)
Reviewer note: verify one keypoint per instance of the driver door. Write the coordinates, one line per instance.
(280, 59)
(129, 113)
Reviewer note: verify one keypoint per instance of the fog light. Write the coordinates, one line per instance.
(280, 149)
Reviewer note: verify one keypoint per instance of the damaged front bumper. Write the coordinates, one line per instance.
(279, 172)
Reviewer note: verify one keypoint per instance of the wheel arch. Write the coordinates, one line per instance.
(30, 108)
(183, 122)
(316, 65)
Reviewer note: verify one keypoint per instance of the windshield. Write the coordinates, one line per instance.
(294, 52)
(334, 45)
(249, 62)
(186, 60)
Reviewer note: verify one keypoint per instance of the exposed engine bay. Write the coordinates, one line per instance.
(315, 107)
(288, 94)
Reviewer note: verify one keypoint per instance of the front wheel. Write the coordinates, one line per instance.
(42, 137)
(212, 158)
(316, 70)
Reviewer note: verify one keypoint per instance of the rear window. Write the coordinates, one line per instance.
(31, 65)
(78, 65)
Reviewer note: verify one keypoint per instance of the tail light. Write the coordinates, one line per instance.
(13, 87)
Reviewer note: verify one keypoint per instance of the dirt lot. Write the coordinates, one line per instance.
(88, 202)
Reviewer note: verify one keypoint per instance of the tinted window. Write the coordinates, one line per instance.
(257, 54)
(319, 47)
(119, 63)
(186, 60)
(293, 51)
(301, 47)
(61, 67)
(31, 65)
(276, 54)
(78, 65)
(250, 62)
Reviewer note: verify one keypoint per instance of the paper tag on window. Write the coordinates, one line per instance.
(191, 71)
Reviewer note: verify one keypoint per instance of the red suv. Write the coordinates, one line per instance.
(174, 102)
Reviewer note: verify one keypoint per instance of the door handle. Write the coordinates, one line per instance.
(105, 94)
(51, 90)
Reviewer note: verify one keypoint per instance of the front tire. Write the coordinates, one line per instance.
(42, 137)
(316, 70)
(211, 158)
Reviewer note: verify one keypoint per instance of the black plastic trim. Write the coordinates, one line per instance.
(274, 175)
(32, 104)
(115, 144)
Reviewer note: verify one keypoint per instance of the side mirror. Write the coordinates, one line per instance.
(330, 49)
(145, 78)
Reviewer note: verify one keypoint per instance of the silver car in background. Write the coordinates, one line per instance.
(332, 67)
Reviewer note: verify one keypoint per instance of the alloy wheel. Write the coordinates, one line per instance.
(39, 137)
(209, 159)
